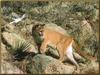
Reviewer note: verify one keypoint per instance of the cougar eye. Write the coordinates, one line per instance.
(41, 31)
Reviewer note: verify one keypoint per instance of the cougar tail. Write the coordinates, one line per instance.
(82, 53)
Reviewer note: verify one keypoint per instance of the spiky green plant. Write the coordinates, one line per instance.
(19, 47)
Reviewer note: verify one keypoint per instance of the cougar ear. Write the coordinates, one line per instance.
(34, 27)
(42, 25)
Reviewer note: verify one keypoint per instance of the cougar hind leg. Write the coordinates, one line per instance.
(71, 58)
(69, 54)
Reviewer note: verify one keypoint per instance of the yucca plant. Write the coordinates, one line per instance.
(20, 48)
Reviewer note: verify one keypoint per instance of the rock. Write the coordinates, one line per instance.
(96, 17)
(78, 57)
(4, 53)
(52, 51)
(42, 64)
(3, 48)
(88, 38)
(9, 68)
(8, 28)
(3, 22)
(86, 28)
(14, 40)
(91, 68)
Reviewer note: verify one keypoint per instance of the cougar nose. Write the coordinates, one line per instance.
(41, 33)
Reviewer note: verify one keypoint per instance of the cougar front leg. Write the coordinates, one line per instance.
(61, 53)
(43, 46)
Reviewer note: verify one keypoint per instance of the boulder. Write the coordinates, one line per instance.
(14, 40)
(91, 68)
(9, 68)
(42, 64)
(86, 30)
(88, 38)
(8, 27)
(4, 53)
